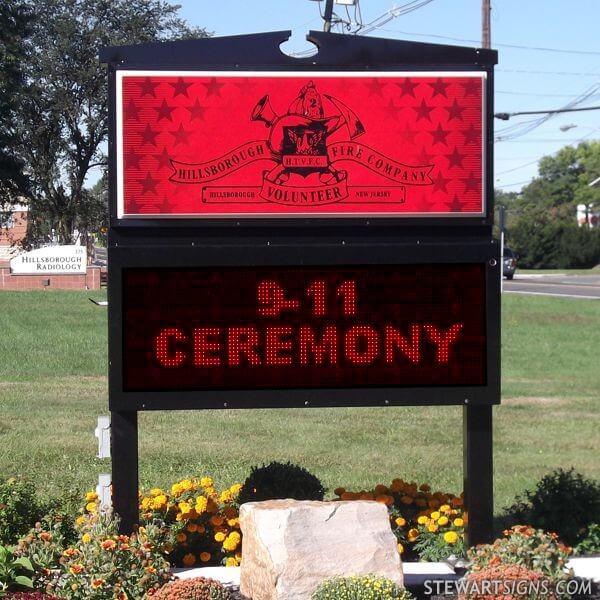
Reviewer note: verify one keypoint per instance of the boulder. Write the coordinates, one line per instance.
(291, 546)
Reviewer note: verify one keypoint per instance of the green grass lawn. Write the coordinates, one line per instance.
(53, 387)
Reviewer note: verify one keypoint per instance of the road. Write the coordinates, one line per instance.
(567, 286)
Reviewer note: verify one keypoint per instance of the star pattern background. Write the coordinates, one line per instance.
(416, 120)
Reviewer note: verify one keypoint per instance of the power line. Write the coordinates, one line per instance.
(515, 46)
(505, 116)
(535, 94)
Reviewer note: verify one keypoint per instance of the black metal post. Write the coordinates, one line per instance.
(124, 452)
(478, 473)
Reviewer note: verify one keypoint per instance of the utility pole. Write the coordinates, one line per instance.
(328, 16)
(486, 31)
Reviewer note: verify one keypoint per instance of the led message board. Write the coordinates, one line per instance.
(303, 327)
(312, 144)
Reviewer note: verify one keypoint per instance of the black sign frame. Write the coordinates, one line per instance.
(421, 240)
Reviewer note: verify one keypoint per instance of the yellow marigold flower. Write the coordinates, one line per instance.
(400, 548)
(225, 496)
(445, 507)
(91, 507)
(451, 537)
(192, 527)
(230, 544)
(205, 556)
(231, 562)
(185, 508)
(206, 482)
(201, 504)
(233, 522)
(339, 491)
(235, 488)
(189, 559)
(181, 537)
(86, 538)
(217, 520)
(186, 485)
(413, 534)
(80, 520)
(443, 521)
(400, 522)
(160, 502)
(97, 583)
(146, 502)
(210, 492)
(422, 520)
(458, 522)
(235, 535)
(91, 496)
(219, 536)
(435, 515)
(156, 492)
(432, 527)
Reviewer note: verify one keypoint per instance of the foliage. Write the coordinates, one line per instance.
(104, 565)
(44, 546)
(441, 534)
(415, 513)
(203, 524)
(15, 21)
(279, 481)
(196, 588)
(527, 547)
(363, 587)
(508, 581)
(63, 112)
(590, 544)
(15, 572)
(20, 509)
(36, 595)
(563, 501)
(541, 223)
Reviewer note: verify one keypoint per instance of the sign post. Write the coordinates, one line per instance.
(302, 233)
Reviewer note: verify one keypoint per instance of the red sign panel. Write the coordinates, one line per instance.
(214, 144)
(303, 327)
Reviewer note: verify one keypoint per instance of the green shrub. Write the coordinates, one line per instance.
(20, 509)
(15, 573)
(527, 547)
(196, 588)
(280, 480)
(30, 596)
(563, 502)
(591, 542)
(364, 587)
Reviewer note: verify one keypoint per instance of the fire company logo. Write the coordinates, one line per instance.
(305, 171)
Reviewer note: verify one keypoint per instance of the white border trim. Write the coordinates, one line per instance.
(121, 74)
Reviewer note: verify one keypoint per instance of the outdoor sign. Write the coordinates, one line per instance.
(294, 232)
(304, 327)
(315, 144)
(51, 260)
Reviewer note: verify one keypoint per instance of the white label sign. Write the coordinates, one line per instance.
(52, 260)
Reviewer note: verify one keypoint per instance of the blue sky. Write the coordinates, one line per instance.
(526, 79)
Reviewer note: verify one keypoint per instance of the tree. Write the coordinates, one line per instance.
(541, 226)
(14, 29)
(64, 120)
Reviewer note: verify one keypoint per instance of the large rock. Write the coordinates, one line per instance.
(291, 546)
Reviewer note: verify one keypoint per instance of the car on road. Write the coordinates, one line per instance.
(510, 263)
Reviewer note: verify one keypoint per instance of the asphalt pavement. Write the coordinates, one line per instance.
(567, 286)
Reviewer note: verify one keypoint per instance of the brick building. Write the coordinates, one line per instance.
(13, 228)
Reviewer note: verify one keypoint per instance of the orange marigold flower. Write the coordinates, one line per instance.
(189, 560)
(205, 556)
(339, 491)
(406, 499)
